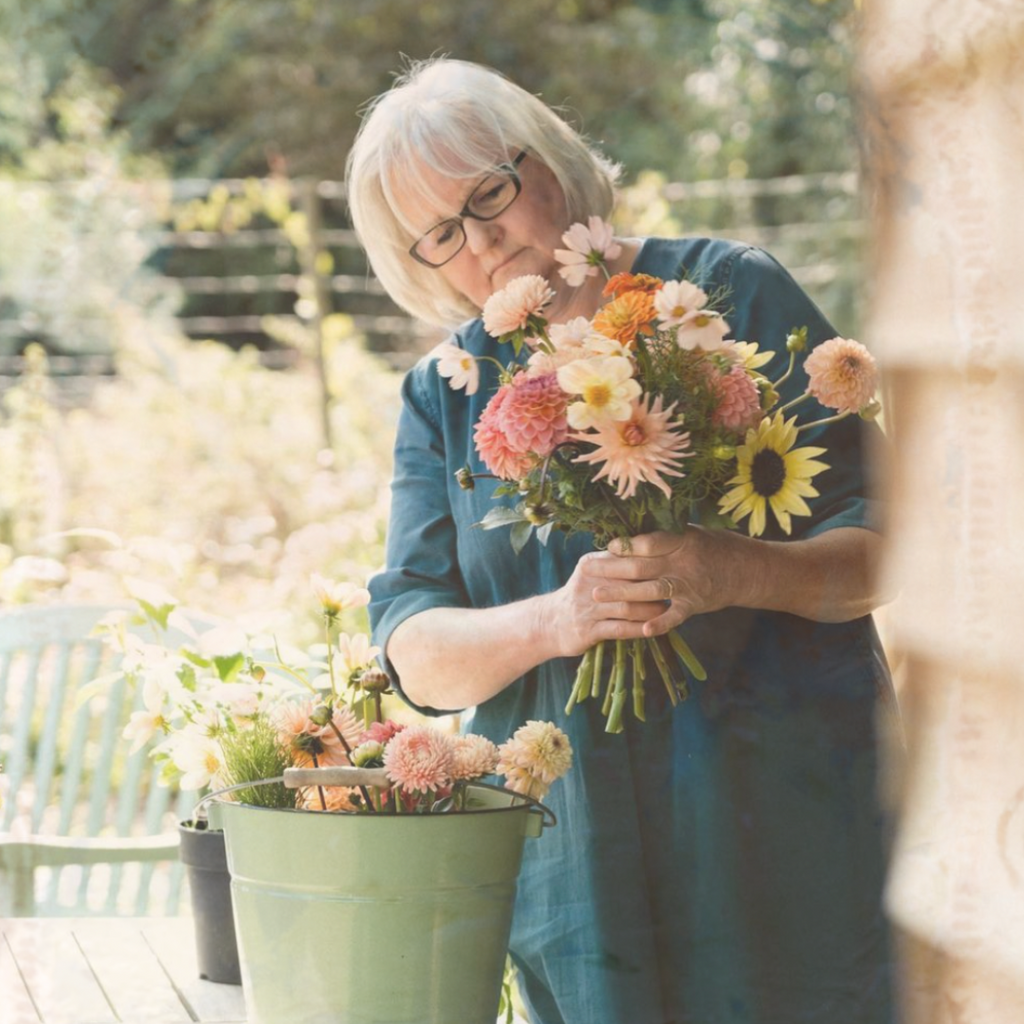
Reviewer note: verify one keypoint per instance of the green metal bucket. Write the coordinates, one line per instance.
(375, 918)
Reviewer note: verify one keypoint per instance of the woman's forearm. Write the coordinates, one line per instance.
(453, 658)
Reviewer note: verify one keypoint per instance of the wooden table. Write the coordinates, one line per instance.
(107, 970)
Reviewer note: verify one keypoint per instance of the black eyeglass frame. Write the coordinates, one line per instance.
(512, 169)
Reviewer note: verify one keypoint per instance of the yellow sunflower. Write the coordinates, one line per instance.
(770, 471)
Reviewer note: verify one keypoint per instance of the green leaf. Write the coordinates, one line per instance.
(228, 666)
(502, 516)
(520, 535)
(95, 687)
(157, 614)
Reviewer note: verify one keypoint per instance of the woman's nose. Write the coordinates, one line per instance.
(480, 234)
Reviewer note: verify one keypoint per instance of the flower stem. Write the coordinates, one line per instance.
(794, 402)
(595, 688)
(617, 690)
(330, 654)
(581, 686)
(686, 656)
(319, 789)
(638, 680)
(789, 371)
(819, 423)
(666, 676)
(348, 754)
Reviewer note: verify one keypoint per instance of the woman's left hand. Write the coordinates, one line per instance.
(692, 572)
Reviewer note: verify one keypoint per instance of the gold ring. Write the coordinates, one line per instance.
(671, 587)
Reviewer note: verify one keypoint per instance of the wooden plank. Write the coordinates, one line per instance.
(56, 973)
(17, 1004)
(173, 942)
(129, 972)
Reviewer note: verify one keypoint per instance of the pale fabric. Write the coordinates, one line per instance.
(945, 80)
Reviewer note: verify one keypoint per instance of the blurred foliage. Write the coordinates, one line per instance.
(202, 472)
(693, 88)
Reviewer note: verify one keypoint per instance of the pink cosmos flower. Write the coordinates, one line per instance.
(589, 246)
(674, 299)
(511, 308)
(456, 364)
(474, 756)
(739, 401)
(644, 449)
(537, 754)
(702, 328)
(420, 759)
(843, 374)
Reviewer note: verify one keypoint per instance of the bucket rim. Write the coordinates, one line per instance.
(519, 802)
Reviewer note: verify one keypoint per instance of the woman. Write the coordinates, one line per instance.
(722, 862)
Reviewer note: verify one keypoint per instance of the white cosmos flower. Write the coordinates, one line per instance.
(354, 653)
(606, 386)
(198, 757)
(144, 725)
(675, 299)
(458, 366)
(702, 329)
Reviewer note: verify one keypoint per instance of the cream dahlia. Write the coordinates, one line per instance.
(473, 756)
(512, 308)
(606, 386)
(537, 754)
(643, 449)
(843, 374)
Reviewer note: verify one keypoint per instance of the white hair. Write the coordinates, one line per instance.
(454, 118)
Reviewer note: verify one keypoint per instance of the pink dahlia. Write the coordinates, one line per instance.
(643, 449)
(526, 417)
(420, 759)
(511, 308)
(843, 374)
(381, 732)
(499, 456)
(739, 401)
(474, 756)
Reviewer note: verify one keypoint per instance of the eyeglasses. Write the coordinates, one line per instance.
(491, 198)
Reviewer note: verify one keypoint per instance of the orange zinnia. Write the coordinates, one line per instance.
(626, 317)
(619, 284)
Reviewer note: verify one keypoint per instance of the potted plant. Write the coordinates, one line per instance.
(351, 836)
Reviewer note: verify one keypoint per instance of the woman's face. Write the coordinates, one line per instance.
(519, 241)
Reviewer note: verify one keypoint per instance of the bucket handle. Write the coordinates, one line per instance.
(295, 778)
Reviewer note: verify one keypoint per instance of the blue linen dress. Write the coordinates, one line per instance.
(722, 863)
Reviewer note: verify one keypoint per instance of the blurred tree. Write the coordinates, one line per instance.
(694, 88)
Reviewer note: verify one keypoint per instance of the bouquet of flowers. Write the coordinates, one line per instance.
(645, 416)
(226, 714)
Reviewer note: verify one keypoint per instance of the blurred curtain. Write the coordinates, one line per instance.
(943, 84)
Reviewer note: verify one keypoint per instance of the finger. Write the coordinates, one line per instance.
(662, 589)
(661, 624)
(633, 611)
(647, 545)
(625, 568)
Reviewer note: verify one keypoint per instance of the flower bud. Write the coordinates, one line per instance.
(871, 411)
(374, 679)
(538, 513)
(259, 673)
(464, 478)
(724, 452)
(796, 340)
(769, 396)
(321, 715)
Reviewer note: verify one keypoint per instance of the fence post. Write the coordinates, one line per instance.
(309, 201)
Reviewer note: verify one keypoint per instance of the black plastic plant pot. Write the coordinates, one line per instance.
(202, 852)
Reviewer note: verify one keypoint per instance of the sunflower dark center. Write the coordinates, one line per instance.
(767, 472)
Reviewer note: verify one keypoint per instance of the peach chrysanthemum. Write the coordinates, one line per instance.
(643, 449)
(310, 743)
(843, 374)
(336, 798)
(420, 759)
(533, 415)
(739, 401)
(619, 284)
(537, 754)
(625, 317)
(474, 756)
(499, 456)
(512, 308)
